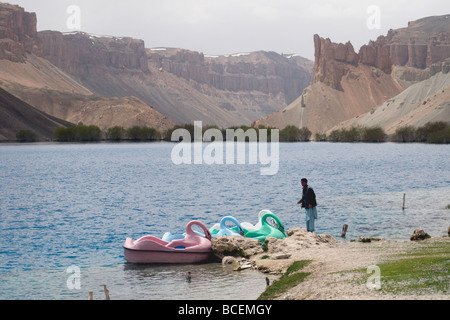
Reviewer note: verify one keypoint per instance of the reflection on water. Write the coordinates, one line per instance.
(208, 281)
(211, 281)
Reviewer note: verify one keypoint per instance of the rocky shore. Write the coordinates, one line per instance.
(334, 267)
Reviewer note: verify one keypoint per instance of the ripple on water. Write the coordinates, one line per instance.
(75, 204)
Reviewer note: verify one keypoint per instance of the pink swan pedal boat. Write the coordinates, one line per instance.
(194, 248)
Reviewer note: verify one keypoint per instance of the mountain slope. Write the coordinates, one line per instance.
(46, 87)
(16, 115)
(67, 74)
(25, 73)
(423, 102)
(183, 85)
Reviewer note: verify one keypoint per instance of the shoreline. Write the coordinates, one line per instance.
(339, 270)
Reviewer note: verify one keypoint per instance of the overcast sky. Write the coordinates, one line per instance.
(232, 26)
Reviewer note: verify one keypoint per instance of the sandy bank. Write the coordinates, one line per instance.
(332, 264)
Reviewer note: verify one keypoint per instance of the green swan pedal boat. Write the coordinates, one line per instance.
(267, 229)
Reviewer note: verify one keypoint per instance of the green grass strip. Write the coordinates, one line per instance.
(419, 274)
(423, 270)
(289, 280)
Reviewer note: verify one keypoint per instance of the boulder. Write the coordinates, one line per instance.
(418, 234)
(229, 260)
(244, 266)
(281, 256)
(235, 246)
(276, 249)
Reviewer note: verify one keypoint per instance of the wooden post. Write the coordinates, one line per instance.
(91, 295)
(344, 230)
(106, 292)
(403, 207)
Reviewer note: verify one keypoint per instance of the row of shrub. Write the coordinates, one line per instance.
(27, 136)
(94, 133)
(134, 133)
(290, 133)
(434, 132)
(355, 134)
(78, 134)
(293, 133)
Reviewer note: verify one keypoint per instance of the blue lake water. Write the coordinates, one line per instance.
(65, 205)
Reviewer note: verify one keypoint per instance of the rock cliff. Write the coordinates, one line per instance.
(79, 53)
(35, 92)
(331, 60)
(183, 85)
(423, 43)
(334, 60)
(18, 35)
(347, 84)
(266, 72)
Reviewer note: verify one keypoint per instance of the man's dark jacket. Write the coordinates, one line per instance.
(308, 197)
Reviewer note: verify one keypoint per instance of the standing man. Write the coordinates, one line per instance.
(308, 201)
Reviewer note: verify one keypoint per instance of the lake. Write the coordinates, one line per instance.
(65, 205)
